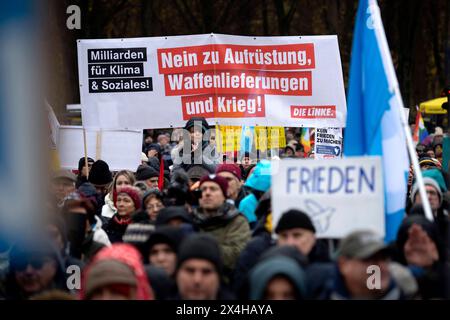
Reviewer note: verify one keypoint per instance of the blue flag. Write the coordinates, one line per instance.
(247, 136)
(373, 114)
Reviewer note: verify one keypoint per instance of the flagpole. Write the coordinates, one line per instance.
(395, 90)
(414, 160)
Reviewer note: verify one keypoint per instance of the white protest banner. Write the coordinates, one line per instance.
(162, 82)
(53, 126)
(328, 143)
(340, 195)
(119, 148)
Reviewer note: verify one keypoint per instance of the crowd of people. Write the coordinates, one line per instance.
(202, 229)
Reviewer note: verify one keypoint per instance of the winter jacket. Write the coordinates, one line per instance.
(333, 287)
(100, 235)
(267, 269)
(108, 210)
(115, 230)
(229, 228)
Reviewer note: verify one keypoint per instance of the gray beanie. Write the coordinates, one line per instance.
(428, 182)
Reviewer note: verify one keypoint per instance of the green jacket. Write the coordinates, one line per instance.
(229, 228)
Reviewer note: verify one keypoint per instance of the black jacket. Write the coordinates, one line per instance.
(114, 230)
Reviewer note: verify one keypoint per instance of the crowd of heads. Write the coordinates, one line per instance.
(202, 229)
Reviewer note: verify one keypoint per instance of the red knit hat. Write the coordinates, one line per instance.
(231, 168)
(133, 192)
(222, 182)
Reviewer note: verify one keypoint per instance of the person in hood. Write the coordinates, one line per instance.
(232, 173)
(257, 183)
(196, 143)
(116, 273)
(127, 200)
(153, 150)
(420, 246)
(162, 248)
(356, 253)
(220, 218)
(83, 171)
(199, 270)
(88, 191)
(36, 266)
(277, 278)
(173, 216)
(122, 178)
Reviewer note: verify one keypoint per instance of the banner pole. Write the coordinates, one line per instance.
(85, 154)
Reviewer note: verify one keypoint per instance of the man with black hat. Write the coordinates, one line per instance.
(296, 228)
(162, 248)
(221, 219)
(199, 269)
(100, 177)
(148, 175)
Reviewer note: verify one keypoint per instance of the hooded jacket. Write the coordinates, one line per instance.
(208, 157)
(431, 280)
(229, 228)
(261, 275)
(129, 256)
(108, 209)
(258, 183)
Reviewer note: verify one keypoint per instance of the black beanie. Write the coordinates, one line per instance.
(428, 226)
(172, 212)
(81, 163)
(145, 172)
(294, 219)
(194, 120)
(100, 174)
(172, 236)
(200, 246)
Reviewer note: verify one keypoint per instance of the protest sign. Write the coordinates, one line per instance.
(328, 143)
(340, 195)
(119, 148)
(162, 82)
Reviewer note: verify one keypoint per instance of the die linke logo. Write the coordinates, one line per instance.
(313, 112)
